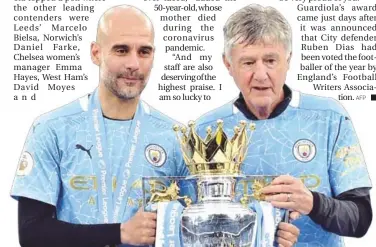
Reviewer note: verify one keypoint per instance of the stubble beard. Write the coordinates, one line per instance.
(110, 81)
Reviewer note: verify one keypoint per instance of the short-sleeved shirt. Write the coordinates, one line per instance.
(56, 166)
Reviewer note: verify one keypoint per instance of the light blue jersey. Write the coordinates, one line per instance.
(313, 139)
(90, 167)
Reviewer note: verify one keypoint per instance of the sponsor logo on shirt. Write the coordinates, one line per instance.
(155, 154)
(304, 150)
(90, 182)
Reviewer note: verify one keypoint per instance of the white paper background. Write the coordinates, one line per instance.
(17, 116)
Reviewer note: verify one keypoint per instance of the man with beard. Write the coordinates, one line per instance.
(79, 179)
(310, 138)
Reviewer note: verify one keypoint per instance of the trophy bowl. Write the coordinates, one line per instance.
(216, 220)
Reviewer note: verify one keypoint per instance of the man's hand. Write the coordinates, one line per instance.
(287, 234)
(290, 193)
(293, 216)
(140, 229)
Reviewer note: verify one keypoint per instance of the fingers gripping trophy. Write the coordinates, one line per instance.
(213, 215)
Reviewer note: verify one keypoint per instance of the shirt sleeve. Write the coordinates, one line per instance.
(38, 226)
(347, 169)
(349, 214)
(37, 176)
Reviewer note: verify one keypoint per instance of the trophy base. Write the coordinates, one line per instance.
(218, 224)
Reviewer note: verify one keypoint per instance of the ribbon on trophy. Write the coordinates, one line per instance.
(112, 205)
(163, 195)
(268, 218)
(168, 224)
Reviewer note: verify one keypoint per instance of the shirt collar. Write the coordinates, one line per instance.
(281, 107)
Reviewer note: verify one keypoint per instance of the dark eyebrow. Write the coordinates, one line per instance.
(115, 47)
(147, 47)
(125, 47)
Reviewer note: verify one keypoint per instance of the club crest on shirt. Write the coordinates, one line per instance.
(304, 150)
(25, 165)
(155, 154)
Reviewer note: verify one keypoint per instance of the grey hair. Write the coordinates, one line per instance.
(255, 23)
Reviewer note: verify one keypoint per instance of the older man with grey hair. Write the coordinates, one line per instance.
(310, 138)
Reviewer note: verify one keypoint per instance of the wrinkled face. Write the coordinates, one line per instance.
(259, 71)
(125, 55)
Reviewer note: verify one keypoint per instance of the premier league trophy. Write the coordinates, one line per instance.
(212, 216)
(216, 219)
